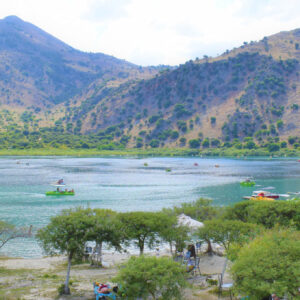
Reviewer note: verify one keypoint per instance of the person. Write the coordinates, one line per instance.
(104, 288)
(190, 265)
(157, 252)
(187, 255)
(60, 181)
(192, 250)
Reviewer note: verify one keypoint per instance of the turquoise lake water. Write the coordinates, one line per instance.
(125, 184)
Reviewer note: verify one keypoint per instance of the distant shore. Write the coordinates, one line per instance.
(157, 152)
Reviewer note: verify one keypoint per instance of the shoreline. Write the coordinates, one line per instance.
(155, 152)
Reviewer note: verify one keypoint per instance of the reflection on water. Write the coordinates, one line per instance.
(126, 185)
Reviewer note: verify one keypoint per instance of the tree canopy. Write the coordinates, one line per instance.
(226, 232)
(267, 213)
(269, 264)
(144, 227)
(9, 231)
(66, 234)
(201, 209)
(104, 228)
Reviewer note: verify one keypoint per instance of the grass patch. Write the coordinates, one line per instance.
(14, 272)
(156, 152)
(14, 293)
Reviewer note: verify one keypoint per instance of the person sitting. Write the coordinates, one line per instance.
(187, 255)
(190, 265)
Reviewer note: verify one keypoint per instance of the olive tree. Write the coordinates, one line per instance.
(176, 236)
(105, 228)
(269, 264)
(158, 278)
(201, 209)
(226, 232)
(143, 227)
(9, 231)
(66, 234)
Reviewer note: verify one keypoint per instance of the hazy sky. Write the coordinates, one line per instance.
(152, 32)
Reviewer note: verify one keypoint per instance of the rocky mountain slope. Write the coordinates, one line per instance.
(249, 92)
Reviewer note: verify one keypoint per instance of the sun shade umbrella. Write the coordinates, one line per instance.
(184, 220)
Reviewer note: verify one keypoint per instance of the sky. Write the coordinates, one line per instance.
(153, 32)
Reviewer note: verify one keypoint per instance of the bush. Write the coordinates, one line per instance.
(160, 278)
(272, 147)
(154, 143)
(194, 143)
(205, 143)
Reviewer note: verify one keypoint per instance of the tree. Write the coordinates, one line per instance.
(143, 227)
(194, 143)
(154, 143)
(226, 232)
(173, 233)
(215, 142)
(182, 141)
(283, 144)
(267, 213)
(104, 229)
(160, 278)
(9, 231)
(66, 234)
(292, 140)
(249, 145)
(269, 264)
(272, 147)
(205, 143)
(201, 209)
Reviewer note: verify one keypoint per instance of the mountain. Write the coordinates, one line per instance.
(252, 91)
(249, 92)
(40, 71)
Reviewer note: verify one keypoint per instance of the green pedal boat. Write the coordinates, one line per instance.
(248, 182)
(60, 192)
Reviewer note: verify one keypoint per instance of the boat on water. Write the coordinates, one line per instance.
(262, 194)
(261, 199)
(247, 182)
(61, 193)
(60, 189)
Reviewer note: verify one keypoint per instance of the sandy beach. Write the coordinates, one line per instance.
(39, 278)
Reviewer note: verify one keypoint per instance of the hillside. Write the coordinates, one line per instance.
(39, 71)
(51, 92)
(247, 95)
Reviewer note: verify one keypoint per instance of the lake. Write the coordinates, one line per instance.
(125, 184)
